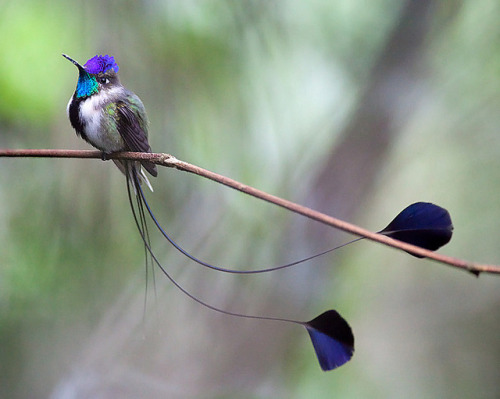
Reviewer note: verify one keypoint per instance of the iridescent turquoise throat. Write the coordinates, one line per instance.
(87, 85)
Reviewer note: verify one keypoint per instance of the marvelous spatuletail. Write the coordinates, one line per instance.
(113, 119)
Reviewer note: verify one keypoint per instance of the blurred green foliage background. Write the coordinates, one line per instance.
(354, 108)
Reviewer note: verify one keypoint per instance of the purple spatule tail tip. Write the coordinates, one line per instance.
(332, 339)
(422, 224)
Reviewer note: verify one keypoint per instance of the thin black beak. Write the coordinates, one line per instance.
(80, 68)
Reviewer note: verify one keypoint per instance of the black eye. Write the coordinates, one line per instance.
(104, 81)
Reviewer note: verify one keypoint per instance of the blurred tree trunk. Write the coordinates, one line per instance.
(347, 177)
(344, 182)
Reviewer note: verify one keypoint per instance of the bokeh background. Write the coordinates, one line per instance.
(354, 108)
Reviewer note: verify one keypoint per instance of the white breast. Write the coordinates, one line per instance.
(92, 111)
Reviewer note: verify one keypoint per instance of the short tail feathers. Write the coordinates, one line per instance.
(143, 178)
(150, 167)
(131, 168)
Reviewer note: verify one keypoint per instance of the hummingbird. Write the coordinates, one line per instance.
(113, 119)
(108, 116)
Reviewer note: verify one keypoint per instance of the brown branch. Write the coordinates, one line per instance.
(172, 162)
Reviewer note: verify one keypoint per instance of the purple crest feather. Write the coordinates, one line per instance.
(101, 64)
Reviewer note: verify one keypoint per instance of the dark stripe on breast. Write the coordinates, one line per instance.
(74, 117)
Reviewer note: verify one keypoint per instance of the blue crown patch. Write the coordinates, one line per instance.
(101, 64)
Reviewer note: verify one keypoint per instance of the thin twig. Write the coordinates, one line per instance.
(172, 162)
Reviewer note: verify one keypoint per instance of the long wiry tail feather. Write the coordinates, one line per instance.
(129, 168)
(330, 334)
